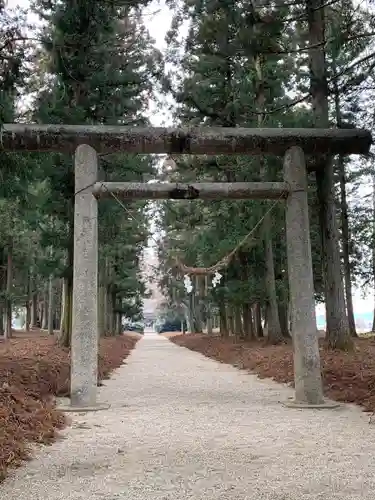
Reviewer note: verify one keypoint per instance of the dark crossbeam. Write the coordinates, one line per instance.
(203, 140)
(203, 190)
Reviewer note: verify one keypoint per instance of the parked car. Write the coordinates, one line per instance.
(169, 326)
(134, 327)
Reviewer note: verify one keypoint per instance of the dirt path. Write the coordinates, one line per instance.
(182, 426)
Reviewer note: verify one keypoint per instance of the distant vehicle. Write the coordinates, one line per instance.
(169, 326)
(137, 327)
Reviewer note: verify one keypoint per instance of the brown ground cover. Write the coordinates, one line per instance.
(347, 377)
(33, 369)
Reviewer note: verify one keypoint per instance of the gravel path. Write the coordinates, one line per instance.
(182, 426)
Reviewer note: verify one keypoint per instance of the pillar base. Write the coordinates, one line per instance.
(326, 405)
(68, 408)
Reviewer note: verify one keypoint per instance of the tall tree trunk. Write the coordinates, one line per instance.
(214, 321)
(45, 310)
(346, 248)
(67, 316)
(275, 335)
(28, 302)
(108, 309)
(345, 236)
(50, 306)
(3, 264)
(258, 320)
(246, 307)
(209, 323)
(34, 306)
(112, 331)
(2, 330)
(338, 334)
(373, 244)
(120, 315)
(195, 312)
(41, 312)
(284, 319)
(63, 295)
(118, 323)
(8, 326)
(209, 319)
(101, 304)
(111, 322)
(105, 309)
(238, 327)
(230, 319)
(223, 323)
(198, 303)
(106, 296)
(248, 324)
(187, 314)
(28, 315)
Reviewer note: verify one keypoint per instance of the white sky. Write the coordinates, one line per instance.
(157, 19)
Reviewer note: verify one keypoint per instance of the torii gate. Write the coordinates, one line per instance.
(293, 144)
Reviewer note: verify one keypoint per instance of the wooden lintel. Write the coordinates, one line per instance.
(188, 140)
(201, 190)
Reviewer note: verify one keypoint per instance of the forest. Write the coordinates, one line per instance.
(301, 64)
(273, 65)
(84, 65)
(225, 64)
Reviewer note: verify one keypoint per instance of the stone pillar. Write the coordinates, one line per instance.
(84, 345)
(307, 375)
